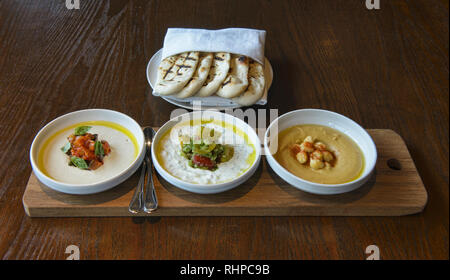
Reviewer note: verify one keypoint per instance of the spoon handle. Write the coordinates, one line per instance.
(137, 200)
(150, 201)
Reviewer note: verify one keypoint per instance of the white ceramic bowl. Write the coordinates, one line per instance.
(330, 119)
(83, 116)
(207, 188)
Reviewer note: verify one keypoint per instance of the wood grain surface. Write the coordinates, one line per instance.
(393, 190)
(384, 68)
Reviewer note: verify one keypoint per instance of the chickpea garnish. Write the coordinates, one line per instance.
(309, 139)
(302, 157)
(296, 148)
(317, 154)
(327, 156)
(320, 146)
(307, 145)
(316, 164)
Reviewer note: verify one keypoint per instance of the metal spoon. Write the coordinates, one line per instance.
(137, 201)
(150, 201)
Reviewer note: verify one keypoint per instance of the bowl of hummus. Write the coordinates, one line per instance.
(320, 151)
(87, 151)
(206, 152)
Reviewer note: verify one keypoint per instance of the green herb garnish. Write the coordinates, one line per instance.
(99, 149)
(66, 148)
(82, 130)
(79, 162)
(217, 153)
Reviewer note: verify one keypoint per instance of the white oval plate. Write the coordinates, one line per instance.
(152, 72)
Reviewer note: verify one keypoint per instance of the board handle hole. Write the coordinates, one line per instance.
(394, 164)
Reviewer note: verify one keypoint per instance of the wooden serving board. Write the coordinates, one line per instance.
(390, 192)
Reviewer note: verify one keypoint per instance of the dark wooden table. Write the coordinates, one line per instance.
(384, 68)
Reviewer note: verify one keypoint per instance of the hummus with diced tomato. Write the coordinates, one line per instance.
(170, 154)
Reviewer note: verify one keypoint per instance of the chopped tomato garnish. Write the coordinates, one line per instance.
(106, 147)
(94, 164)
(83, 152)
(203, 161)
(83, 146)
(91, 145)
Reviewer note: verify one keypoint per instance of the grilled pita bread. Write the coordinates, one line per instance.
(217, 74)
(236, 81)
(200, 75)
(165, 66)
(255, 89)
(175, 77)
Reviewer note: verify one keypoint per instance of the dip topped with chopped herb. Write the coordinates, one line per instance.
(205, 152)
(88, 152)
(206, 156)
(85, 150)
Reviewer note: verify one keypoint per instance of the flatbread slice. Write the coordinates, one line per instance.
(200, 75)
(178, 75)
(165, 66)
(217, 74)
(255, 89)
(236, 81)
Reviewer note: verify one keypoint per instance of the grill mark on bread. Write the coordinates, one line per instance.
(226, 82)
(176, 72)
(255, 88)
(180, 67)
(167, 72)
(237, 77)
(199, 76)
(217, 74)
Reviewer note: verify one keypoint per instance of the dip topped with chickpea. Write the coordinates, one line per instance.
(319, 154)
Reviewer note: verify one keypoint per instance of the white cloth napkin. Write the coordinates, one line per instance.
(243, 41)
